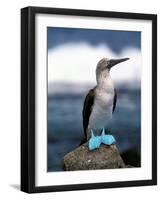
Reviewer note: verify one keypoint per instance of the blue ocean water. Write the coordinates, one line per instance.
(65, 128)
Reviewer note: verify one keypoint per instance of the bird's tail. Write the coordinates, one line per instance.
(84, 140)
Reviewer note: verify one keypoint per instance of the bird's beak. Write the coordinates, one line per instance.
(116, 61)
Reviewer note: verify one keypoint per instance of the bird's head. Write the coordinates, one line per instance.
(105, 64)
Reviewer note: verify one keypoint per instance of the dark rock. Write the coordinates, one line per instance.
(129, 166)
(106, 157)
(131, 157)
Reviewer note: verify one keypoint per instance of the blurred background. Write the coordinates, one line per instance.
(72, 58)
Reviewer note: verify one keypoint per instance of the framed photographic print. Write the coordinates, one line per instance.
(88, 99)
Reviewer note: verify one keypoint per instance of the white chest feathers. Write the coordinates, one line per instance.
(103, 105)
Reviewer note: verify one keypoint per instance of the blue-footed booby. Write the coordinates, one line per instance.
(100, 104)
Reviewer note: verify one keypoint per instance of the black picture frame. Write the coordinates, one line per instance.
(28, 98)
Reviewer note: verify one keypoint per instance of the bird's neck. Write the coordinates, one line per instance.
(104, 81)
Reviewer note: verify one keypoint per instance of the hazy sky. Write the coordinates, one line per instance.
(116, 40)
(73, 54)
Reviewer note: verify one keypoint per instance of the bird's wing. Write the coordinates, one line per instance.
(87, 109)
(114, 100)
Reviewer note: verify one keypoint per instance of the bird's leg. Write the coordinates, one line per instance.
(94, 141)
(103, 131)
(107, 139)
(92, 134)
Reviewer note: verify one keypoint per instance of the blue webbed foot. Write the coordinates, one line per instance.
(107, 139)
(94, 142)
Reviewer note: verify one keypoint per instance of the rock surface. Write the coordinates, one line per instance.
(106, 157)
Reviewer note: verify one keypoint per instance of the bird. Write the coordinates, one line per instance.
(100, 102)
